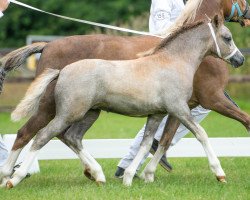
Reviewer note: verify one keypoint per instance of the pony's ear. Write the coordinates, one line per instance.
(217, 21)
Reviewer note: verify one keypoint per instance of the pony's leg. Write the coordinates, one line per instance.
(170, 128)
(221, 104)
(151, 127)
(73, 139)
(24, 135)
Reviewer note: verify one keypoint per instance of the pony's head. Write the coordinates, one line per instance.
(237, 11)
(223, 44)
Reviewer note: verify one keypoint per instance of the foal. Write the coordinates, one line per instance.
(149, 86)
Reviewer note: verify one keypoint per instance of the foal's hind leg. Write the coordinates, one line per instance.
(73, 139)
(151, 127)
(55, 127)
(24, 135)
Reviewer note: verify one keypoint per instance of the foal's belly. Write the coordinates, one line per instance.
(131, 107)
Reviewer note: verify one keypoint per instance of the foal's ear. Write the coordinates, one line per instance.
(217, 21)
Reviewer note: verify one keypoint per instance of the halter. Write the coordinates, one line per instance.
(235, 5)
(217, 46)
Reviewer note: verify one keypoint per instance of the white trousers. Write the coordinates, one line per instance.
(199, 113)
(3, 152)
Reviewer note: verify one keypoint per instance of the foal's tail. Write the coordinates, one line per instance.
(16, 58)
(29, 105)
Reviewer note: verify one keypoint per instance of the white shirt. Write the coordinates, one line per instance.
(1, 14)
(163, 13)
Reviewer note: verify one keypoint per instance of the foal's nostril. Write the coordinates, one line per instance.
(243, 59)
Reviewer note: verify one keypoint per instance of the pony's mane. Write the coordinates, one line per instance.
(187, 16)
(176, 33)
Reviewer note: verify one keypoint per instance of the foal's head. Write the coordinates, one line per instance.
(223, 44)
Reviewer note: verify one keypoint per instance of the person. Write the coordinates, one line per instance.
(163, 14)
(3, 150)
(3, 6)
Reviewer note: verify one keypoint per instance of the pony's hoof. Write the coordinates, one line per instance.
(9, 185)
(88, 175)
(221, 179)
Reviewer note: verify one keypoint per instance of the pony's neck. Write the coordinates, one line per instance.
(210, 8)
(191, 46)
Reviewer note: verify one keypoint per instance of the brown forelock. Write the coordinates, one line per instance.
(179, 31)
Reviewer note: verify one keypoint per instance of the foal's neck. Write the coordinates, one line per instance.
(191, 46)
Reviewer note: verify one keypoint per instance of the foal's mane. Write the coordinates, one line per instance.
(187, 16)
(175, 34)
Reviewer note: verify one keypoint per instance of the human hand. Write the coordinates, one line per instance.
(4, 5)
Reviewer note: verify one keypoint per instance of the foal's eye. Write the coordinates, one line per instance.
(227, 38)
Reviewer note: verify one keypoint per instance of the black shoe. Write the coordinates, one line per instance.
(120, 172)
(16, 167)
(163, 162)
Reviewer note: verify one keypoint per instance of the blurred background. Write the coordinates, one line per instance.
(21, 26)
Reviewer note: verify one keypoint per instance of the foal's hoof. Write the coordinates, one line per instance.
(9, 185)
(100, 183)
(221, 179)
(88, 174)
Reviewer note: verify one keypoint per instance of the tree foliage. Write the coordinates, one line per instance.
(20, 22)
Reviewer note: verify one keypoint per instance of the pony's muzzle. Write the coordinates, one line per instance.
(237, 59)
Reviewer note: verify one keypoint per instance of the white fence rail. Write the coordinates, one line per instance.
(117, 148)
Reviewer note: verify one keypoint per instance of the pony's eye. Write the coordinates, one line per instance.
(227, 38)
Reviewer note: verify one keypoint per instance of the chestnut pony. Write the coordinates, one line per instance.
(209, 82)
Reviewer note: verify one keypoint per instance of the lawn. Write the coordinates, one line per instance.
(190, 180)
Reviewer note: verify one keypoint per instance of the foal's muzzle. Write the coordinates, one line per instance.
(2, 77)
(237, 59)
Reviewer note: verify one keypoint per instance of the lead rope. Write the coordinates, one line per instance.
(85, 21)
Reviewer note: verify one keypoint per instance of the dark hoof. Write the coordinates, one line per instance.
(100, 183)
(88, 175)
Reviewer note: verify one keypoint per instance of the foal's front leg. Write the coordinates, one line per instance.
(151, 127)
(170, 128)
(201, 135)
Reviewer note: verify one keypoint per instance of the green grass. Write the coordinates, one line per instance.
(117, 126)
(190, 180)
